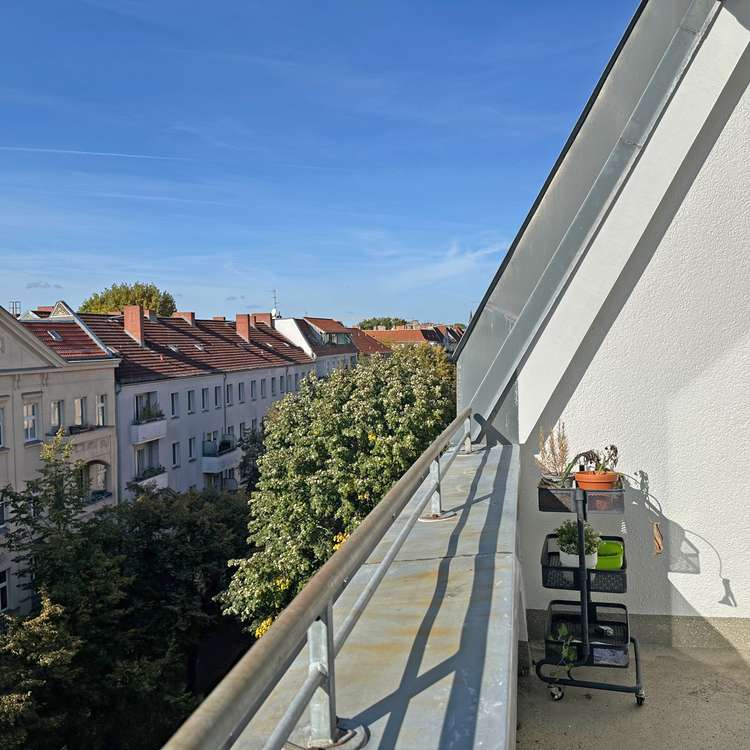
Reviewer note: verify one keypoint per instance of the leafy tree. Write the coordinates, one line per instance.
(137, 584)
(369, 324)
(252, 449)
(117, 296)
(332, 451)
(176, 548)
(36, 665)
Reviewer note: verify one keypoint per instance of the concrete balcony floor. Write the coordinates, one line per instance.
(697, 699)
(430, 663)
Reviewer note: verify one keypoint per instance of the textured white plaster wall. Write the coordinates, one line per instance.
(670, 384)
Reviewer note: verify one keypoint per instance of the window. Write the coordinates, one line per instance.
(57, 416)
(4, 576)
(101, 410)
(217, 396)
(2, 427)
(146, 457)
(242, 429)
(241, 392)
(289, 383)
(254, 425)
(230, 430)
(296, 381)
(2, 514)
(191, 402)
(191, 448)
(175, 454)
(147, 407)
(281, 384)
(230, 396)
(30, 416)
(79, 411)
(204, 399)
(353, 360)
(253, 390)
(174, 400)
(273, 386)
(263, 388)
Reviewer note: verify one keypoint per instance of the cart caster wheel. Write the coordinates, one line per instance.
(640, 699)
(556, 692)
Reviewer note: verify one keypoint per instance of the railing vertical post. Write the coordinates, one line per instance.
(467, 435)
(437, 503)
(322, 656)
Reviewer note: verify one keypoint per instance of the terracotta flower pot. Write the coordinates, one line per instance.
(592, 480)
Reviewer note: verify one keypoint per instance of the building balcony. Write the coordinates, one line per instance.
(220, 455)
(156, 478)
(147, 430)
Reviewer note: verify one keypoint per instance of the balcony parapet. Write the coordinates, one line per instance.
(144, 432)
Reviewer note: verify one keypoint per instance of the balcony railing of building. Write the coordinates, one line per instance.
(308, 620)
(226, 444)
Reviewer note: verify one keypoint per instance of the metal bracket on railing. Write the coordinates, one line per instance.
(436, 504)
(467, 435)
(323, 730)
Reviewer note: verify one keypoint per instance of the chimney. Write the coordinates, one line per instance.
(218, 317)
(189, 317)
(264, 318)
(132, 316)
(242, 326)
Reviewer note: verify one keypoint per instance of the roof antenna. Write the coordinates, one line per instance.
(275, 310)
(14, 307)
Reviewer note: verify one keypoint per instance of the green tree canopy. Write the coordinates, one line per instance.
(368, 324)
(333, 450)
(115, 297)
(131, 591)
(36, 656)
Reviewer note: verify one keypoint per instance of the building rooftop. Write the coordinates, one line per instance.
(320, 349)
(66, 338)
(327, 325)
(407, 336)
(174, 348)
(365, 343)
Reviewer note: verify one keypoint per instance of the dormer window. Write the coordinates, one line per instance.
(173, 347)
(54, 335)
(200, 347)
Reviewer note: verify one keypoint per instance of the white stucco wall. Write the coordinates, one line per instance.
(664, 371)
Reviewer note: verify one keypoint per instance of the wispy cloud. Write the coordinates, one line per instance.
(42, 285)
(458, 262)
(77, 152)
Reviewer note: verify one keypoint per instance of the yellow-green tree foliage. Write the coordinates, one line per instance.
(332, 451)
(115, 297)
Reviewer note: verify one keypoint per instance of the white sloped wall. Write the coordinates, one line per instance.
(664, 369)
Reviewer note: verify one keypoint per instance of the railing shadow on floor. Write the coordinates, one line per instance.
(467, 664)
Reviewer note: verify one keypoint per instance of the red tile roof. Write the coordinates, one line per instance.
(407, 336)
(367, 344)
(74, 343)
(174, 349)
(327, 325)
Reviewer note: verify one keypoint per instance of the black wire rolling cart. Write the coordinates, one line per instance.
(585, 633)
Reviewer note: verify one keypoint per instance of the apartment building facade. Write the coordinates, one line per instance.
(53, 376)
(188, 389)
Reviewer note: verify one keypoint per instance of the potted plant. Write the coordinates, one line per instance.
(552, 459)
(599, 471)
(567, 540)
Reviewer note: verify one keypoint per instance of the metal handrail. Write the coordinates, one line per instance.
(221, 717)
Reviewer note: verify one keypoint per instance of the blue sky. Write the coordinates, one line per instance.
(362, 157)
